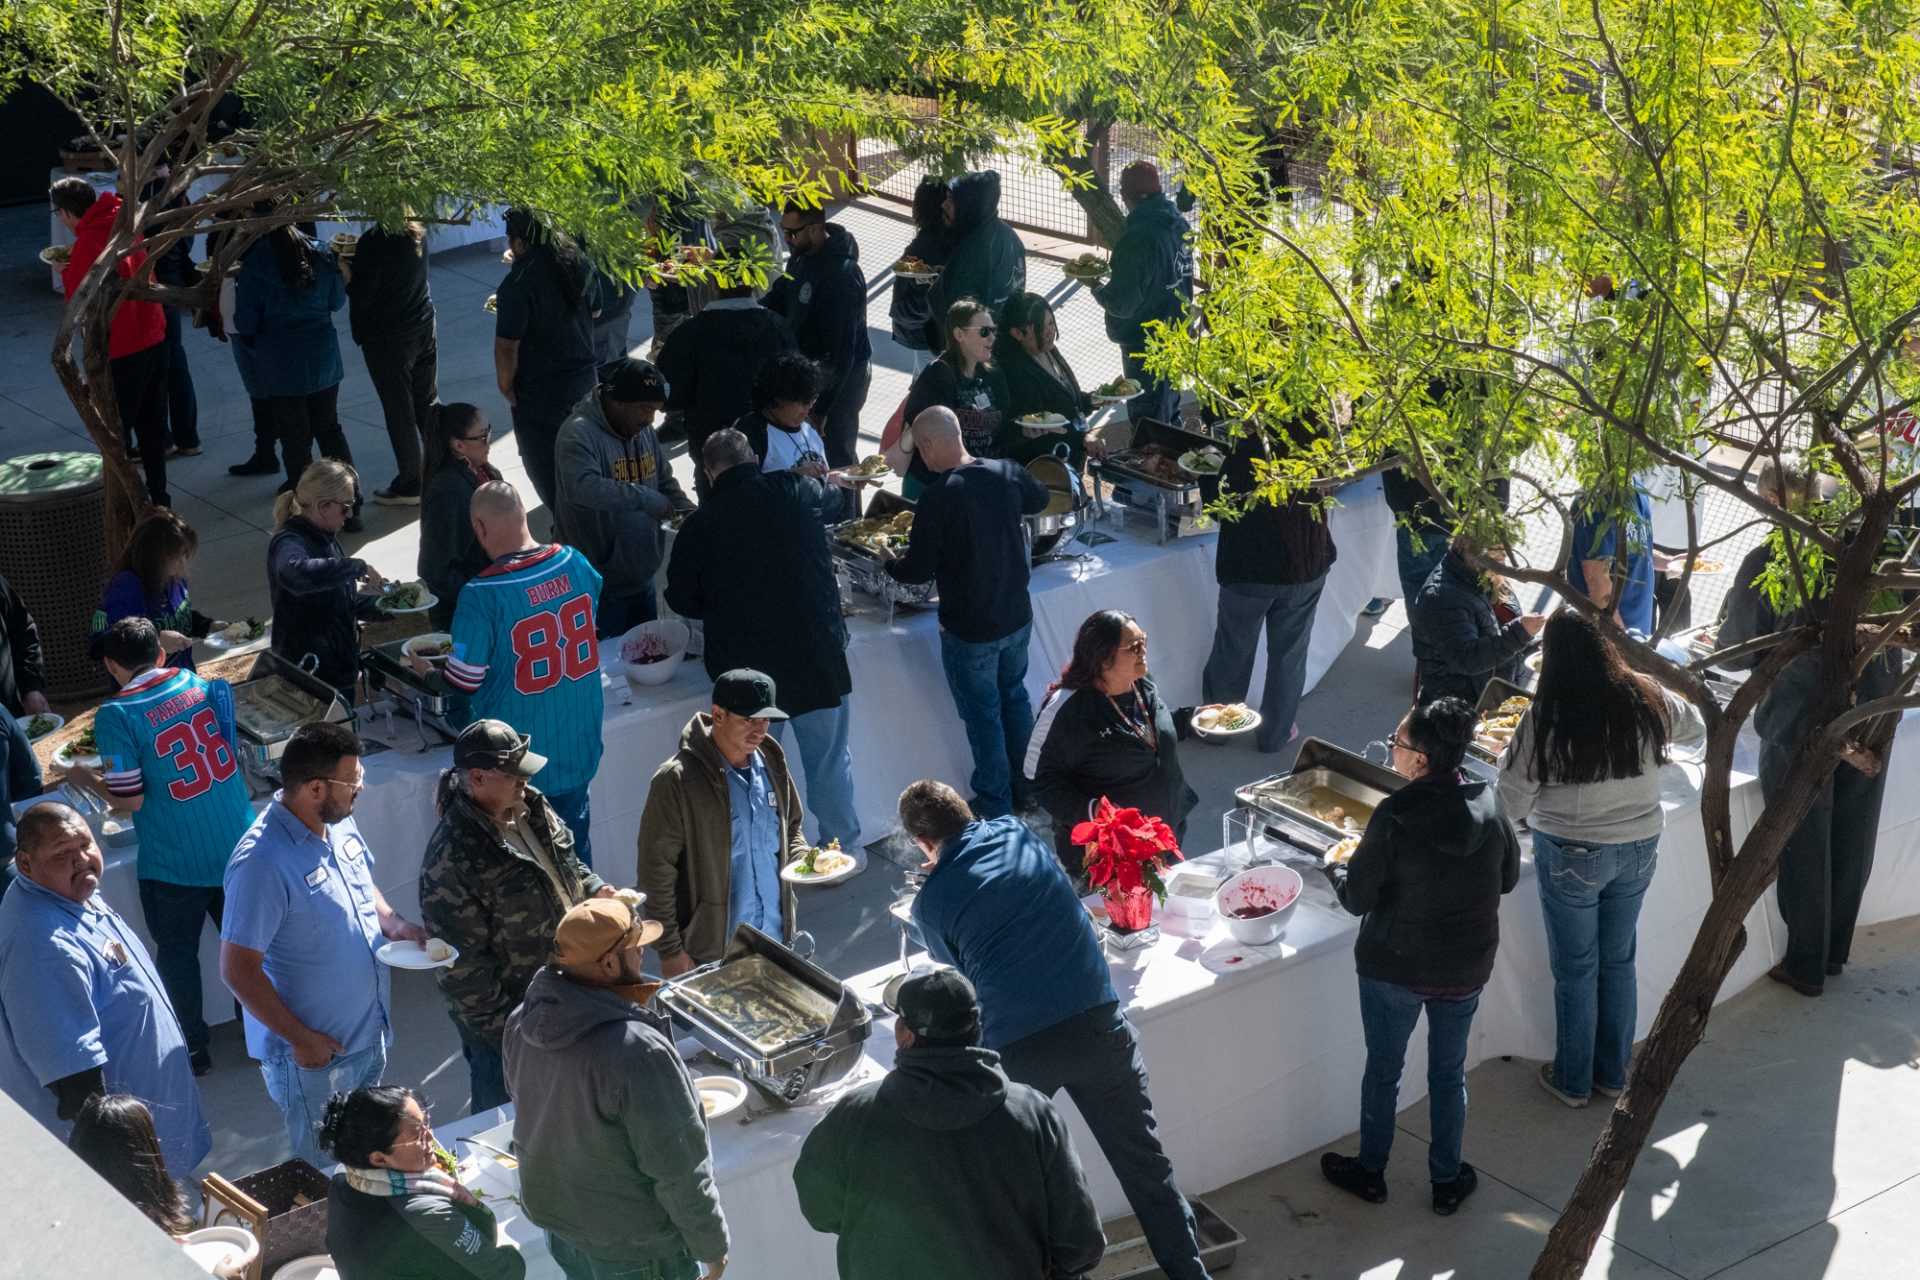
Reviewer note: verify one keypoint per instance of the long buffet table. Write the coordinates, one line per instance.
(1256, 1052)
(904, 727)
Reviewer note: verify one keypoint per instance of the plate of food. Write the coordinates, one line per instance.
(84, 751)
(343, 243)
(435, 647)
(40, 726)
(407, 597)
(57, 255)
(869, 470)
(492, 303)
(404, 954)
(1203, 462)
(246, 631)
(1342, 851)
(912, 268)
(1225, 720)
(1042, 421)
(1085, 268)
(720, 1095)
(1705, 568)
(825, 865)
(1495, 730)
(1119, 391)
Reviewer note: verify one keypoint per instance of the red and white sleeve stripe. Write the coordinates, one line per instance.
(464, 676)
(125, 782)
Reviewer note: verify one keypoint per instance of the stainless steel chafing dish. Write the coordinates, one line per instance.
(781, 1021)
(427, 698)
(1171, 498)
(1496, 692)
(863, 566)
(276, 698)
(1326, 797)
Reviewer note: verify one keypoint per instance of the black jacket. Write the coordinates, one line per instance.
(1428, 877)
(21, 669)
(824, 297)
(753, 563)
(915, 327)
(980, 402)
(710, 361)
(316, 611)
(968, 537)
(988, 261)
(1457, 641)
(1034, 388)
(1271, 544)
(1151, 273)
(450, 551)
(945, 1170)
(387, 298)
(414, 1237)
(1082, 749)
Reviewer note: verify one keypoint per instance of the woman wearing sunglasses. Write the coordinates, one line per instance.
(1104, 730)
(962, 380)
(459, 438)
(319, 592)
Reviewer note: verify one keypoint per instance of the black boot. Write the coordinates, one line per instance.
(1348, 1174)
(1448, 1195)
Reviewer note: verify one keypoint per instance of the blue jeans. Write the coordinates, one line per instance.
(989, 684)
(1388, 1013)
(576, 811)
(176, 915)
(576, 1265)
(1590, 898)
(820, 738)
(1286, 610)
(302, 1095)
(1416, 566)
(618, 615)
(1157, 400)
(486, 1071)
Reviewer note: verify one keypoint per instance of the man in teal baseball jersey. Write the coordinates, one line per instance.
(524, 650)
(166, 750)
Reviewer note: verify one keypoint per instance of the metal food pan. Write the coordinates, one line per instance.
(1496, 692)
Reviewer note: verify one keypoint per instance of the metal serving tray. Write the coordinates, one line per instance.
(1319, 764)
(264, 705)
(1496, 692)
(1176, 510)
(867, 572)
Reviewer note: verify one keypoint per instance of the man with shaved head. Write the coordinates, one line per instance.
(525, 652)
(970, 539)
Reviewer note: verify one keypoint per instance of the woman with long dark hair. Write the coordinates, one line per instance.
(395, 1211)
(542, 341)
(1039, 380)
(454, 464)
(114, 1136)
(151, 582)
(962, 380)
(911, 311)
(1104, 730)
(1583, 770)
(1427, 879)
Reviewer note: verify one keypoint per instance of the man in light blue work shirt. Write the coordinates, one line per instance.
(303, 921)
(726, 789)
(82, 1010)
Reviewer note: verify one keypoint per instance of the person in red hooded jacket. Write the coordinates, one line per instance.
(136, 344)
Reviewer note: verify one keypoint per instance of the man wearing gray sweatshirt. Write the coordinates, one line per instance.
(613, 488)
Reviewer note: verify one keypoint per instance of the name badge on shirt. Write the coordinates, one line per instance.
(352, 847)
(115, 953)
(316, 877)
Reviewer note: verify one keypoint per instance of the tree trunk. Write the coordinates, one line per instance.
(1094, 197)
(91, 393)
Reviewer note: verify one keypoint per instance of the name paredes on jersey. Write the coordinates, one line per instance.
(552, 589)
(190, 697)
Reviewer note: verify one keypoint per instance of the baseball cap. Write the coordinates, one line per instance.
(597, 928)
(632, 380)
(1141, 178)
(746, 692)
(492, 744)
(934, 1002)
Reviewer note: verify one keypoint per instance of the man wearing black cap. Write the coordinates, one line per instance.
(945, 1170)
(1151, 281)
(722, 818)
(498, 874)
(613, 488)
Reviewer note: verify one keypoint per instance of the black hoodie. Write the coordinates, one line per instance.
(1152, 275)
(824, 297)
(945, 1170)
(1428, 876)
(988, 261)
(711, 359)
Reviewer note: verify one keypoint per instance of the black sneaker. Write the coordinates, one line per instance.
(1348, 1174)
(257, 465)
(184, 451)
(401, 493)
(1447, 1196)
(353, 525)
(201, 1061)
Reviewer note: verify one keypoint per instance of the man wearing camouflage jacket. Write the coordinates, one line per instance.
(498, 874)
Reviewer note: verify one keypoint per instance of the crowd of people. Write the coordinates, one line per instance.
(956, 1162)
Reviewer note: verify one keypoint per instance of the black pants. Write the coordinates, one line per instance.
(183, 407)
(140, 389)
(1825, 863)
(175, 915)
(1095, 1057)
(838, 416)
(405, 372)
(302, 421)
(536, 427)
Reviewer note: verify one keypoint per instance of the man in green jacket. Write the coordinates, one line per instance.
(499, 873)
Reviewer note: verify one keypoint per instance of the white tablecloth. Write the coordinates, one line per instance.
(1256, 1052)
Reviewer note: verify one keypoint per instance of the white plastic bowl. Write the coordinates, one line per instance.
(671, 630)
(1275, 886)
(211, 1247)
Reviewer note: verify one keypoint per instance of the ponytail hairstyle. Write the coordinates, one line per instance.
(325, 478)
(1440, 731)
(445, 424)
(360, 1123)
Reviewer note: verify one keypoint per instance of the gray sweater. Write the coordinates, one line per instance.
(1615, 811)
(611, 495)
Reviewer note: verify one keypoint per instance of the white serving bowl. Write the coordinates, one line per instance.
(1278, 886)
(671, 630)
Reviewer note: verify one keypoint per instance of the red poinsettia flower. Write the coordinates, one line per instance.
(1126, 850)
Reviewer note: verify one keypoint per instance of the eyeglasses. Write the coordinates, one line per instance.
(334, 502)
(485, 437)
(986, 331)
(1399, 744)
(424, 1133)
(357, 787)
(790, 232)
(1138, 648)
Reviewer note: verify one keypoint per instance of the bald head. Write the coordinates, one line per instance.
(499, 519)
(937, 439)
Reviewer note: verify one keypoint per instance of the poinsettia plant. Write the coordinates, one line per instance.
(1126, 850)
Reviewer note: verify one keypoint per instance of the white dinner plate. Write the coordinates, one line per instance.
(402, 954)
(918, 277)
(1248, 727)
(65, 758)
(1209, 462)
(218, 639)
(720, 1095)
(792, 875)
(210, 1247)
(26, 722)
(431, 637)
(1110, 401)
(48, 256)
(1052, 422)
(315, 1266)
(427, 601)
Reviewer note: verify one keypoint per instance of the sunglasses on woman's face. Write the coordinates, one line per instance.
(485, 437)
(986, 331)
